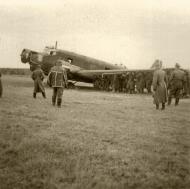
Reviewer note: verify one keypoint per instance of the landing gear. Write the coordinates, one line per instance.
(71, 85)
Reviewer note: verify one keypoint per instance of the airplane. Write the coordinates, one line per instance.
(79, 68)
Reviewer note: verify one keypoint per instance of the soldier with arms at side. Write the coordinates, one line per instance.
(186, 84)
(148, 81)
(159, 85)
(57, 79)
(38, 77)
(131, 83)
(176, 82)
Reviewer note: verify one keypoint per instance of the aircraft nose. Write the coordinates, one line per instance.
(25, 56)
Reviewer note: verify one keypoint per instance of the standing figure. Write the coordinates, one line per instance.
(159, 86)
(38, 77)
(57, 79)
(1, 87)
(131, 83)
(148, 81)
(176, 82)
(140, 82)
(186, 85)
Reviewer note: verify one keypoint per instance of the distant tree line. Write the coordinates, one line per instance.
(15, 71)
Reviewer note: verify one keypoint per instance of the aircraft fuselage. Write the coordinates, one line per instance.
(75, 61)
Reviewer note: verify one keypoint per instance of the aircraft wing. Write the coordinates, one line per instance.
(118, 71)
(108, 72)
(94, 73)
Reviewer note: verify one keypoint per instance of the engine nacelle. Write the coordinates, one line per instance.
(25, 56)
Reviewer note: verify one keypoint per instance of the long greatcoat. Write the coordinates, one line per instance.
(38, 77)
(159, 86)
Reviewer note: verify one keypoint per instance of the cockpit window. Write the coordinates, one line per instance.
(50, 51)
(106, 68)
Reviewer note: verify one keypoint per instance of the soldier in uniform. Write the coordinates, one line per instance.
(107, 82)
(1, 86)
(159, 86)
(121, 82)
(186, 85)
(57, 79)
(114, 83)
(125, 83)
(140, 82)
(38, 77)
(131, 83)
(96, 82)
(148, 81)
(117, 83)
(176, 82)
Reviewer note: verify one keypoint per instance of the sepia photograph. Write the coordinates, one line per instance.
(94, 94)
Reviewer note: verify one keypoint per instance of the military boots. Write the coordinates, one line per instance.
(169, 101)
(59, 101)
(44, 94)
(163, 106)
(53, 100)
(176, 101)
(157, 106)
(34, 95)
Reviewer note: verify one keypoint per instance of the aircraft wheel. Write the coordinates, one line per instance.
(71, 85)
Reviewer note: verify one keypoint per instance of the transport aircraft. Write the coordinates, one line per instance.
(79, 68)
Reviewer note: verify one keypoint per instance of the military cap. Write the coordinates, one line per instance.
(157, 64)
(177, 65)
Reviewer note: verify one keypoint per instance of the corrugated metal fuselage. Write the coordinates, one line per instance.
(79, 61)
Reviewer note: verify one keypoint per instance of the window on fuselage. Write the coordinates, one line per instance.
(106, 68)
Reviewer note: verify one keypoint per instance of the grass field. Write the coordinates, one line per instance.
(96, 140)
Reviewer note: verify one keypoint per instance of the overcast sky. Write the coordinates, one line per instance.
(132, 32)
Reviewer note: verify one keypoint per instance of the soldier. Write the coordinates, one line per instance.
(57, 79)
(38, 77)
(114, 83)
(125, 83)
(104, 82)
(96, 82)
(117, 82)
(186, 85)
(159, 86)
(121, 82)
(140, 82)
(1, 86)
(131, 83)
(176, 82)
(107, 82)
(148, 81)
